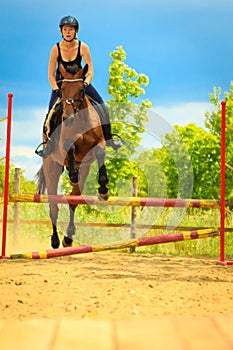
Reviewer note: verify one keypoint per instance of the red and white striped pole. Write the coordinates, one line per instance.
(6, 182)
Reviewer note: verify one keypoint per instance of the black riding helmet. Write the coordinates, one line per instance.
(69, 21)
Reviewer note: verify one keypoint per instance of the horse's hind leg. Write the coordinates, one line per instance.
(70, 231)
(103, 192)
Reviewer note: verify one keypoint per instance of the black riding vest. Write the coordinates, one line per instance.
(76, 62)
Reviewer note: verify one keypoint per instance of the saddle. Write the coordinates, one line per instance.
(54, 118)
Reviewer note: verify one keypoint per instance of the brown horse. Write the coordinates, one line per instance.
(78, 142)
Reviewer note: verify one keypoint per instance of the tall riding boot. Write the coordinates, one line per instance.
(48, 145)
(106, 126)
(48, 131)
(115, 144)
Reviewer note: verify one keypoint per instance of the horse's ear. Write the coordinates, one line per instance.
(85, 69)
(62, 69)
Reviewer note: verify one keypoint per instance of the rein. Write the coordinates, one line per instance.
(69, 80)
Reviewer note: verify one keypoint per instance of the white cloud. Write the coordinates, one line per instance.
(27, 125)
(25, 136)
(22, 151)
(26, 159)
(185, 113)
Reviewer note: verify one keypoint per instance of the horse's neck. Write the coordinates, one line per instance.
(90, 116)
(86, 102)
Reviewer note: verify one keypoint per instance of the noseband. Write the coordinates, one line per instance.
(70, 101)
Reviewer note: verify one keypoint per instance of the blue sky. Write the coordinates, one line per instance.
(184, 47)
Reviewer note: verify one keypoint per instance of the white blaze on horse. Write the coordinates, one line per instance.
(77, 142)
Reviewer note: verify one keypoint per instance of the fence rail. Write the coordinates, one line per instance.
(114, 225)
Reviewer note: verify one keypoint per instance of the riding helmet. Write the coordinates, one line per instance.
(69, 21)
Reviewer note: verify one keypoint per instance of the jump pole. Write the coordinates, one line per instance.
(222, 188)
(139, 242)
(6, 181)
(118, 201)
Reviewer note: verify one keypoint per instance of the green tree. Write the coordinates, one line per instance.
(190, 161)
(2, 177)
(175, 161)
(213, 123)
(128, 115)
(153, 183)
(26, 186)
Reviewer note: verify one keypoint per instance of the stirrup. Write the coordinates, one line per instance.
(40, 153)
(115, 144)
(118, 137)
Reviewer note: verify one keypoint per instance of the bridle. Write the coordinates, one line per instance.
(70, 101)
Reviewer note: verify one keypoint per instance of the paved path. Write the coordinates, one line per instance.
(170, 333)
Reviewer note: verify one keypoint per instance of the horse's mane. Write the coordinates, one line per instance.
(73, 69)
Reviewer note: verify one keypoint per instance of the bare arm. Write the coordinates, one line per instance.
(52, 68)
(85, 52)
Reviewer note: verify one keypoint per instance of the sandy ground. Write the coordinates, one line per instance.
(115, 286)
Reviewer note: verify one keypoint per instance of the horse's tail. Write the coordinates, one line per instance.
(40, 179)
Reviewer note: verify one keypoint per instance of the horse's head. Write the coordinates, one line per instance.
(73, 91)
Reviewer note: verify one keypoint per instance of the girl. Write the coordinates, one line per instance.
(70, 52)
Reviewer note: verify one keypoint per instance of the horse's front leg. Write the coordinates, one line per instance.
(76, 190)
(103, 192)
(55, 241)
(73, 170)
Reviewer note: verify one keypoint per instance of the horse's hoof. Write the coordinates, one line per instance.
(55, 242)
(74, 177)
(67, 242)
(73, 183)
(103, 196)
